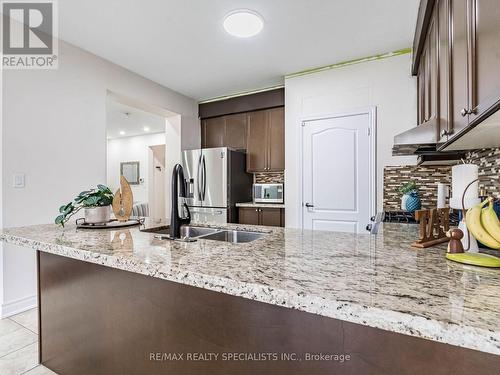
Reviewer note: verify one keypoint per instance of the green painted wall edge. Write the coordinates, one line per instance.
(235, 95)
(350, 62)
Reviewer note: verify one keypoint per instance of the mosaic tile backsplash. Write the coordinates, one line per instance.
(269, 177)
(489, 169)
(427, 178)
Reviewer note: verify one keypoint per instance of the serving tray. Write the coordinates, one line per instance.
(112, 224)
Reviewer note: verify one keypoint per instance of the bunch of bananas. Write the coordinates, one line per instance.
(483, 223)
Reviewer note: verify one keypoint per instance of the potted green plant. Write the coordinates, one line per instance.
(95, 202)
(410, 200)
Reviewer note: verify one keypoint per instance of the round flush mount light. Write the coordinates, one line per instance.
(243, 23)
(122, 132)
(146, 128)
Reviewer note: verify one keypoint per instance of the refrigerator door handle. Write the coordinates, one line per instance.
(198, 181)
(204, 177)
(197, 211)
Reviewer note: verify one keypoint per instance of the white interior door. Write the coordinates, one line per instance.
(337, 173)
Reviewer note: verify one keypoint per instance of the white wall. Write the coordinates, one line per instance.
(386, 84)
(54, 131)
(158, 181)
(132, 149)
(172, 156)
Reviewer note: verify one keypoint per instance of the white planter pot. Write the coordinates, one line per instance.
(97, 215)
(404, 198)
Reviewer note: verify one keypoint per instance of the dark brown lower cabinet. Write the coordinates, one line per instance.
(249, 216)
(270, 217)
(273, 217)
(99, 320)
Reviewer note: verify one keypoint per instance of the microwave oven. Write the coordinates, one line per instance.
(268, 193)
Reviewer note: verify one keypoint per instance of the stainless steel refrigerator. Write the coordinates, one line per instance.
(216, 180)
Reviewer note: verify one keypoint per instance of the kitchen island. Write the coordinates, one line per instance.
(271, 305)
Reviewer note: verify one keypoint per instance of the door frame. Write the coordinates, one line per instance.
(371, 111)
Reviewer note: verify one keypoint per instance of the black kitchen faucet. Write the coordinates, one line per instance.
(175, 220)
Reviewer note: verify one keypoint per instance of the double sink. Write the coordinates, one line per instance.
(191, 233)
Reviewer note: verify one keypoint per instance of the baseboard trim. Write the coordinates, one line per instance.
(18, 306)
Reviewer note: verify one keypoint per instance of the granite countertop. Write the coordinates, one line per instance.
(261, 205)
(378, 281)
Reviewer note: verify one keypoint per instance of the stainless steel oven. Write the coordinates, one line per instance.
(268, 193)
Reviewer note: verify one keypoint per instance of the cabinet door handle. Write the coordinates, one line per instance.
(444, 133)
(309, 205)
(465, 112)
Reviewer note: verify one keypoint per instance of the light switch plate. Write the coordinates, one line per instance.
(18, 180)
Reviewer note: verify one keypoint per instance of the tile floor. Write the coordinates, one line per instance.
(19, 345)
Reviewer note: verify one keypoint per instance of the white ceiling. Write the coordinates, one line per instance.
(181, 44)
(121, 117)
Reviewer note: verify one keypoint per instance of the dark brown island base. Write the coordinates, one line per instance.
(100, 320)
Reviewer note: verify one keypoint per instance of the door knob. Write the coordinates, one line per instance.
(309, 205)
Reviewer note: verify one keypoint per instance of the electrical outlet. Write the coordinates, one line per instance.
(18, 180)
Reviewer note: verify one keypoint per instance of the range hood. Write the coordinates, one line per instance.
(440, 158)
(420, 139)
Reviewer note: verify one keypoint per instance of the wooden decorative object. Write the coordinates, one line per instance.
(455, 246)
(434, 224)
(123, 200)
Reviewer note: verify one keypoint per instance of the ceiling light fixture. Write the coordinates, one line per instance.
(243, 23)
(122, 132)
(146, 128)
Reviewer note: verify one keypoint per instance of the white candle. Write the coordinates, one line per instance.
(461, 176)
(442, 194)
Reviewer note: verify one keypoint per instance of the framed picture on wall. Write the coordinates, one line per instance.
(130, 170)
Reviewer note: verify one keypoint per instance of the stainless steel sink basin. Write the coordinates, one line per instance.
(192, 233)
(234, 236)
(187, 231)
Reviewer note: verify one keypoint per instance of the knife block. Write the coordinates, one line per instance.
(434, 224)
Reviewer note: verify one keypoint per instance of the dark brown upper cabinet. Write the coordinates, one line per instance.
(260, 133)
(475, 42)
(459, 66)
(444, 68)
(456, 63)
(213, 132)
(430, 80)
(431, 86)
(257, 149)
(276, 160)
(266, 140)
(484, 57)
(236, 131)
(224, 131)
(421, 82)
